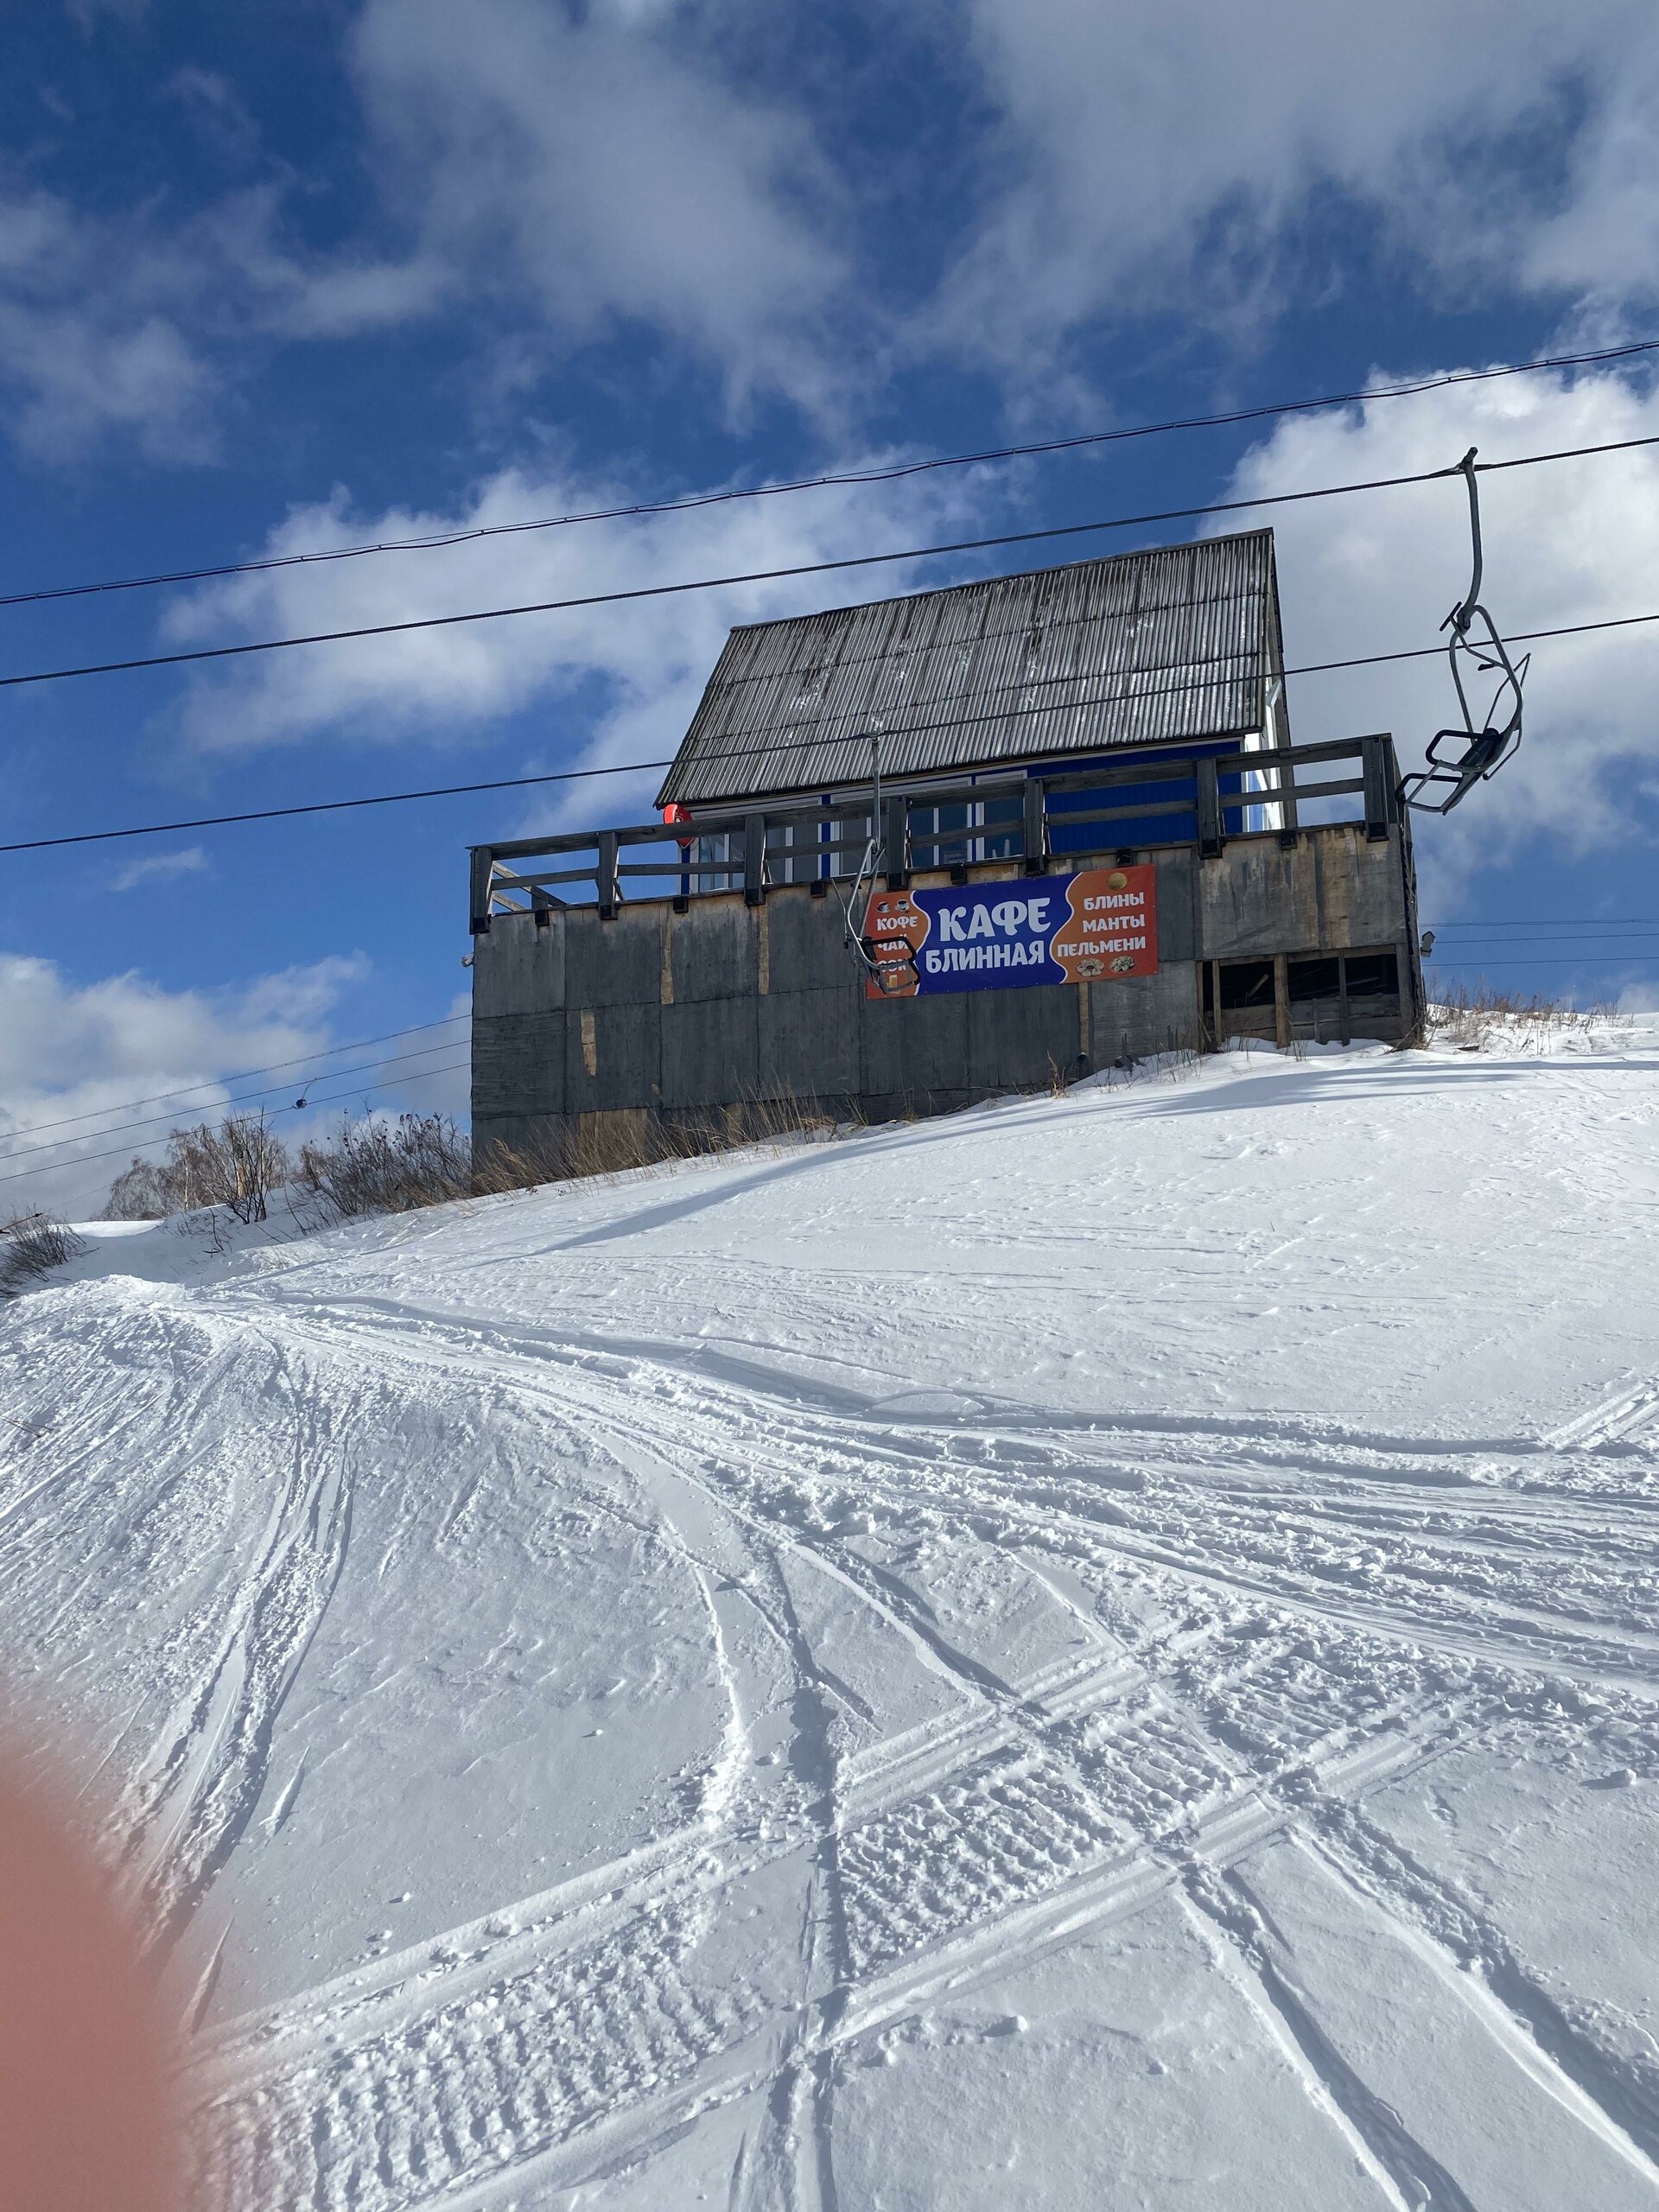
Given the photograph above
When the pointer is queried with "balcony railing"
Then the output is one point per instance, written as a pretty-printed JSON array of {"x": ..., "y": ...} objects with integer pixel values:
[{"x": 1034, "y": 819}]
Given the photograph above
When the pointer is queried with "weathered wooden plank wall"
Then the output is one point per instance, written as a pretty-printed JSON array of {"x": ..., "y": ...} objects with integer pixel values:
[{"x": 681, "y": 1014}]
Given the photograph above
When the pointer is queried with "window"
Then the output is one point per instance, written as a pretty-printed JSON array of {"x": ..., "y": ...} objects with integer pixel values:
[
  {"x": 1246, "y": 983},
  {"x": 931, "y": 846},
  {"x": 1313, "y": 979},
  {"x": 999, "y": 844},
  {"x": 1373, "y": 976}
]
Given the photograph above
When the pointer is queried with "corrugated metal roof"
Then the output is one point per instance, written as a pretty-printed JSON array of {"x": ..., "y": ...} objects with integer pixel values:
[{"x": 1139, "y": 649}]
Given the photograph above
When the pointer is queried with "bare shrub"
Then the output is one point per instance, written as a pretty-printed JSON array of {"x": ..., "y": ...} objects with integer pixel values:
[
  {"x": 1181, "y": 1057},
  {"x": 237, "y": 1166},
  {"x": 31, "y": 1245},
  {"x": 379, "y": 1166},
  {"x": 138, "y": 1193},
  {"x": 1183, "y": 1053},
  {"x": 1483, "y": 1017}
]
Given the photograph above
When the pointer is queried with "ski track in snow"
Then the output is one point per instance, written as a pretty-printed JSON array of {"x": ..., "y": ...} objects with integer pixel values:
[
  {"x": 1270, "y": 1623},
  {"x": 1049, "y": 1805},
  {"x": 204, "y": 1784}
]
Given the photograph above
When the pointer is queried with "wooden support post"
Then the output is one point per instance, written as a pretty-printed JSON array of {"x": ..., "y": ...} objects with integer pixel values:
[
  {"x": 483, "y": 871},
  {"x": 1211, "y": 839},
  {"x": 1036, "y": 828},
  {"x": 1210, "y": 1005},
  {"x": 754, "y": 860},
  {"x": 605, "y": 876},
  {"x": 1376, "y": 791},
  {"x": 1281, "y": 1002},
  {"x": 895, "y": 838},
  {"x": 1287, "y": 822}
]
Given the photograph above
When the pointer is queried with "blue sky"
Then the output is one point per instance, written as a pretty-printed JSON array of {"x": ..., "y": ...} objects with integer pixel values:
[{"x": 273, "y": 279}]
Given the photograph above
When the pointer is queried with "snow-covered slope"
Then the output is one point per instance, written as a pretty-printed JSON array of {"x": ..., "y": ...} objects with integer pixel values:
[{"x": 1102, "y": 1650}]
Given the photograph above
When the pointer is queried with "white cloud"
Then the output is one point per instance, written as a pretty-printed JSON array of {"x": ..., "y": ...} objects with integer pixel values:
[
  {"x": 129, "y": 326},
  {"x": 1571, "y": 542},
  {"x": 1160, "y": 157},
  {"x": 596, "y": 168},
  {"x": 1603, "y": 237},
  {"x": 630, "y": 674},
  {"x": 549, "y": 174},
  {"x": 261, "y": 289},
  {"x": 551, "y": 177},
  {"x": 160, "y": 867},
  {"x": 91, "y": 335},
  {"x": 91, "y": 1050}
]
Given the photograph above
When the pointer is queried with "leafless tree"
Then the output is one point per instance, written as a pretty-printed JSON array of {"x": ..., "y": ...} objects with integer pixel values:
[
  {"x": 138, "y": 1193},
  {"x": 237, "y": 1164}
]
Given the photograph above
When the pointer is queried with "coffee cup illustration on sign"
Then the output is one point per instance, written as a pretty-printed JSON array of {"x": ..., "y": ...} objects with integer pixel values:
[{"x": 894, "y": 930}]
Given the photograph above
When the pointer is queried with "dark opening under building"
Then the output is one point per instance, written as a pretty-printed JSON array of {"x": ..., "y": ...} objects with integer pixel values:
[{"x": 1059, "y": 816}]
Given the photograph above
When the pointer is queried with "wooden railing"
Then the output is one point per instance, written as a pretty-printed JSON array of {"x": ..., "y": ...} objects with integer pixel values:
[{"x": 1032, "y": 819}]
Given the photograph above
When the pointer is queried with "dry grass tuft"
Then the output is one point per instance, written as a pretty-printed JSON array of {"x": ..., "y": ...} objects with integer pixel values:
[
  {"x": 1487, "y": 1020},
  {"x": 621, "y": 1142},
  {"x": 31, "y": 1246}
]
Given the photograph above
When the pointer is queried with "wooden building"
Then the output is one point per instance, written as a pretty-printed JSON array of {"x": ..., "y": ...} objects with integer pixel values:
[{"x": 1063, "y": 812}]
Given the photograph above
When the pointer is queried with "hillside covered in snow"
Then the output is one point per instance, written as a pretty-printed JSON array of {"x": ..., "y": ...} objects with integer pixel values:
[{"x": 1100, "y": 1651}]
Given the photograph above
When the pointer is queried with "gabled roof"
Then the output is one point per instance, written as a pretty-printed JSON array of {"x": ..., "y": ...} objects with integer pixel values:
[{"x": 1138, "y": 649}]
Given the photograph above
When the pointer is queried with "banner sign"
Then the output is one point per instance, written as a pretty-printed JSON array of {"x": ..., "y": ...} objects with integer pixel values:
[{"x": 1098, "y": 925}]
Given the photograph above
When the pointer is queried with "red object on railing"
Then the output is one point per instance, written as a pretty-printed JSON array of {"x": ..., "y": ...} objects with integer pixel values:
[{"x": 673, "y": 815}]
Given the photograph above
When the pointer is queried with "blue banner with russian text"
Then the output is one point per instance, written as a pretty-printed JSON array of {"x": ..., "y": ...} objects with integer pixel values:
[{"x": 1100, "y": 924}]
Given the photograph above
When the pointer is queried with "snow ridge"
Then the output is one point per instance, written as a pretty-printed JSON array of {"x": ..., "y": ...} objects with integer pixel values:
[{"x": 959, "y": 1724}]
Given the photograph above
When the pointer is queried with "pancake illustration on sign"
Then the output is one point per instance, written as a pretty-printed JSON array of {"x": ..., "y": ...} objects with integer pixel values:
[
  {"x": 895, "y": 930},
  {"x": 1112, "y": 928}
]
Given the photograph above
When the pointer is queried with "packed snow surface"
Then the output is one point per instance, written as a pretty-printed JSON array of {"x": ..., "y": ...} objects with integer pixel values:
[{"x": 1101, "y": 1650}]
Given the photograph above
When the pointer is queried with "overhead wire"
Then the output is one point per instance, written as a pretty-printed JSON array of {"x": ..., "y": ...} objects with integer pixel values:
[
  {"x": 640, "y": 767},
  {"x": 635, "y": 592},
  {"x": 129, "y": 1148},
  {"x": 92, "y": 1158},
  {"x": 1544, "y": 936},
  {"x": 632, "y": 767},
  {"x": 1443, "y": 932},
  {"x": 246, "y": 1075},
  {"x": 1630, "y": 960},
  {"x": 217, "y": 1105},
  {"x": 1559, "y": 921},
  {"x": 891, "y": 473},
  {"x": 315, "y": 1096}
]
